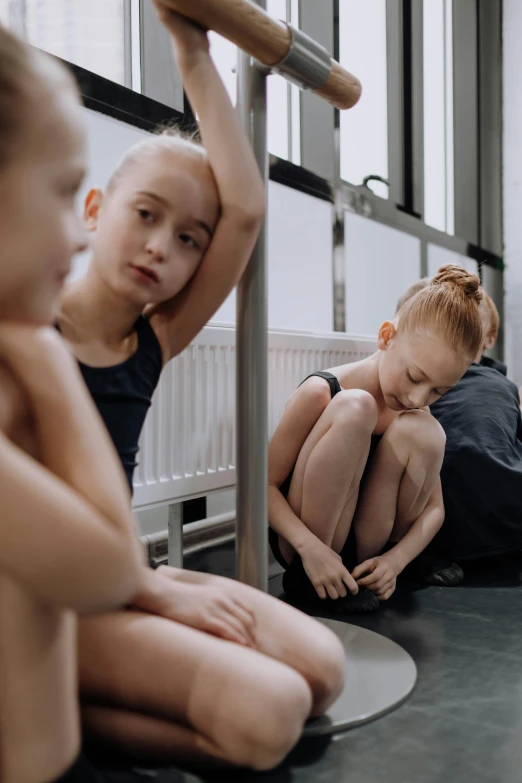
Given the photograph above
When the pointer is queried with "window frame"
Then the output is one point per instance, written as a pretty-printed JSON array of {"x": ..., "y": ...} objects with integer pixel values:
[
  {"x": 319, "y": 172},
  {"x": 478, "y": 233}
]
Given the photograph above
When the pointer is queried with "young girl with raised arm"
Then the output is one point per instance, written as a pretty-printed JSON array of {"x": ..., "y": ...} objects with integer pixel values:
[
  {"x": 202, "y": 668},
  {"x": 67, "y": 544},
  {"x": 355, "y": 461}
]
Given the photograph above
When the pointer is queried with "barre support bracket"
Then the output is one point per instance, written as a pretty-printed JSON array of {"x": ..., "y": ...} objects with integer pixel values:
[{"x": 307, "y": 64}]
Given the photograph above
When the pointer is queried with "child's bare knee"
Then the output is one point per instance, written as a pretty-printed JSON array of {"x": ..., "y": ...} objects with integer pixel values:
[
  {"x": 422, "y": 431},
  {"x": 326, "y": 672},
  {"x": 429, "y": 436},
  {"x": 356, "y": 408},
  {"x": 280, "y": 709}
]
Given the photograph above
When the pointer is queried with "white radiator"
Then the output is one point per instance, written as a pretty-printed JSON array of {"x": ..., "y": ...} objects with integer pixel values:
[{"x": 187, "y": 448}]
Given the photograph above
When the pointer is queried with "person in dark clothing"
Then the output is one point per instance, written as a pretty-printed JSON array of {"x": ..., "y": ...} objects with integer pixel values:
[{"x": 482, "y": 469}]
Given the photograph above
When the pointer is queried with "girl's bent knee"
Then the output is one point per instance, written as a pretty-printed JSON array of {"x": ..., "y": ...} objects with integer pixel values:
[
  {"x": 422, "y": 431},
  {"x": 327, "y": 671},
  {"x": 429, "y": 436},
  {"x": 280, "y": 715},
  {"x": 356, "y": 408}
]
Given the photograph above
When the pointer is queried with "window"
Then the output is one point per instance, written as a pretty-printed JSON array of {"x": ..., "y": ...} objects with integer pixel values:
[
  {"x": 364, "y": 131},
  {"x": 438, "y": 115},
  {"x": 224, "y": 55},
  {"x": 133, "y": 78},
  {"x": 90, "y": 34},
  {"x": 283, "y": 103}
]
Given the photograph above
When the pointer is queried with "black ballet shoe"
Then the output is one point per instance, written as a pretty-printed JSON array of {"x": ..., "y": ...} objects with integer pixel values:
[
  {"x": 433, "y": 571},
  {"x": 365, "y": 601},
  {"x": 299, "y": 588}
]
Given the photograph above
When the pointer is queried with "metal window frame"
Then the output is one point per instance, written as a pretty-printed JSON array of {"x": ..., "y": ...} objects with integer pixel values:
[
  {"x": 477, "y": 77},
  {"x": 160, "y": 78},
  {"x": 466, "y": 125},
  {"x": 317, "y": 116},
  {"x": 480, "y": 66},
  {"x": 127, "y": 42},
  {"x": 490, "y": 124},
  {"x": 474, "y": 163},
  {"x": 320, "y": 150},
  {"x": 396, "y": 111}
]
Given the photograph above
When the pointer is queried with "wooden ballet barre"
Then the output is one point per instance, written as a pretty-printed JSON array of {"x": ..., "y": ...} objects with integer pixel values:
[{"x": 270, "y": 41}]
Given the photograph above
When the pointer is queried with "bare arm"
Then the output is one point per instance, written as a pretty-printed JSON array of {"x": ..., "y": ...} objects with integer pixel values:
[
  {"x": 66, "y": 525},
  {"x": 421, "y": 532},
  {"x": 379, "y": 573},
  {"x": 239, "y": 184},
  {"x": 301, "y": 413},
  {"x": 214, "y": 609}
]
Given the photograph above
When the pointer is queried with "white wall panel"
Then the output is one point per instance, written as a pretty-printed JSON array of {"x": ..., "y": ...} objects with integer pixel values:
[
  {"x": 300, "y": 264},
  {"x": 381, "y": 263}
]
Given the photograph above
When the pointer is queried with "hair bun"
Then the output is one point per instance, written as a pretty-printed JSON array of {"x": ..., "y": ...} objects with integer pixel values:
[{"x": 458, "y": 278}]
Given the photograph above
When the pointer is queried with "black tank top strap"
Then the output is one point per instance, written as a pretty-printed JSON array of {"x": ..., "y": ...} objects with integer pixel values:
[
  {"x": 332, "y": 380},
  {"x": 148, "y": 342}
]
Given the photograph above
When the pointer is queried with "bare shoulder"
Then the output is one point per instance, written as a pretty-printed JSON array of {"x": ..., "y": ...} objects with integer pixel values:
[
  {"x": 354, "y": 375},
  {"x": 314, "y": 391}
]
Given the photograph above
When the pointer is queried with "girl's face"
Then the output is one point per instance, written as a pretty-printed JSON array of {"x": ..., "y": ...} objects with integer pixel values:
[
  {"x": 153, "y": 229},
  {"x": 416, "y": 369},
  {"x": 39, "y": 228}
]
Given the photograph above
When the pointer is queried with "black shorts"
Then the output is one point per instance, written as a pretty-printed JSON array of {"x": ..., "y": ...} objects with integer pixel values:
[
  {"x": 273, "y": 540},
  {"x": 81, "y": 772}
]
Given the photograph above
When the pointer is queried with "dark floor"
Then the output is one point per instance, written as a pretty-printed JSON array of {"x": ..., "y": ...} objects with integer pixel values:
[{"x": 463, "y": 722}]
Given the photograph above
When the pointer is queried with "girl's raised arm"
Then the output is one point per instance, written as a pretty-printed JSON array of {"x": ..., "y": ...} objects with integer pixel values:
[{"x": 240, "y": 188}]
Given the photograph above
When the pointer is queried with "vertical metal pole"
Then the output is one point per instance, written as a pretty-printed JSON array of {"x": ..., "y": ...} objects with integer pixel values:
[
  {"x": 339, "y": 251},
  {"x": 127, "y": 43},
  {"x": 251, "y": 360},
  {"x": 175, "y": 550}
]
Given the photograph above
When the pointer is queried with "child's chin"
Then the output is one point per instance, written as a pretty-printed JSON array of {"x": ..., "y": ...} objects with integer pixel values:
[{"x": 395, "y": 405}]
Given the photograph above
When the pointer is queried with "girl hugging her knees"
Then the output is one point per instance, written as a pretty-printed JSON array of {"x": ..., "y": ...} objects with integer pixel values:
[{"x": 354, "y": 484}]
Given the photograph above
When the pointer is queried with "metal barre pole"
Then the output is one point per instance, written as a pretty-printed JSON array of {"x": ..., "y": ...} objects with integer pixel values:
[
  {"x": 276, "y": 45},
  {"x": 251, "y": 360}
]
